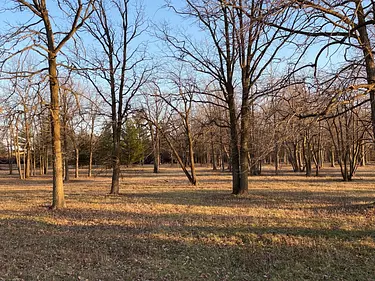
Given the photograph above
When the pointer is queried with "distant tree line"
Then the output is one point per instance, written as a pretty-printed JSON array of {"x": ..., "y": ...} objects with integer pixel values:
[{"x": 277, "y": 82}]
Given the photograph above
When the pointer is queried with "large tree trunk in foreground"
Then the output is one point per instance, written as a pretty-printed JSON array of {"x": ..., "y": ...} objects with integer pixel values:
[
  {"x": 244, "y": 151},
  {"x": 235, "y": 156},
  {"x": 58, "y": 200}
]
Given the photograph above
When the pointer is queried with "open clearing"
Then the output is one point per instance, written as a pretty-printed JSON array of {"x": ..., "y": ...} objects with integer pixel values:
[{"x": 289, "y": 227}]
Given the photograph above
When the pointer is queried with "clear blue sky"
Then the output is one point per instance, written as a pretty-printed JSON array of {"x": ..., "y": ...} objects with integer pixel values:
[{"x": 154, "y": 11}]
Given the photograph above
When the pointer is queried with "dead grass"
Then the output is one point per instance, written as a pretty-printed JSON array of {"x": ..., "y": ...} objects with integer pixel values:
[{"x": 289, "y": 227}]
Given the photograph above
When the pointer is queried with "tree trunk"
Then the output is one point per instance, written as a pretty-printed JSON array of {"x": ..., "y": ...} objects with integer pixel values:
[
  {"x": 363, "y": 154},
  {"x": 191, "y": 157},
  {"x": 66, "y": 158},
  {"x": 27, "y": 152},
  {"x": 46, "y": 161},
  {"x": 332, "y": 157},
  {"x": 300, "y": 156},
  {"x": 156, "y": 139},
  {"x": 17, "y": 151},
  {"x": 34, "y": 162},
  {"x": 213, "y": 154},
  {"x": 115, "y": 186},
  {"x": 369, "y": 58},
  {"x": 41, "y": 164},
  {"x": 76, "y": 172},
  {"x": 234, "y": 157},
  {"x": 58, "y": 186},
  {"x": 276, "y": 158},
  {"x": 89, "y": 172},
  {"x": 179, "y": 160},
  {"x": 307, "y": 156},
  {"x": 10, "y": 153},
  {"x": 244, "y": 147}
]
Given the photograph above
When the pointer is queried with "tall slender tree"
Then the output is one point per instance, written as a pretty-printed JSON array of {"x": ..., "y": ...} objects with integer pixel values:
[
  {"x": 117, "y": 67},
  {"x": 41, "y": 33}
]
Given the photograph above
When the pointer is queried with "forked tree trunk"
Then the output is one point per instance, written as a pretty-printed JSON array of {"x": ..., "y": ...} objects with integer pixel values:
[{"x": 179, "y": 160}]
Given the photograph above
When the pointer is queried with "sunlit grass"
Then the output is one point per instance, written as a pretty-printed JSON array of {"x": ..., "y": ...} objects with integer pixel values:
[{"x": 288, "y": 227}]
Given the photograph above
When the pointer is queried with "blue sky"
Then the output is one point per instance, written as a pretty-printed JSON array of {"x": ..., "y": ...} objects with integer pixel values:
[{"x": 154, "y": 11}]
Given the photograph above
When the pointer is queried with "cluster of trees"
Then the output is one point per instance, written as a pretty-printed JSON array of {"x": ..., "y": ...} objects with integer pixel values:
[{"x": 278, "y": 81}]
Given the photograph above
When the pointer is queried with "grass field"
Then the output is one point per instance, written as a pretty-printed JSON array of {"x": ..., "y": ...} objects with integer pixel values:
[{"x": 289, "y": 227}]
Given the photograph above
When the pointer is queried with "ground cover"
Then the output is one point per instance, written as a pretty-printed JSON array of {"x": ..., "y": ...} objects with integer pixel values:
[{"x": 289, "y": 227}]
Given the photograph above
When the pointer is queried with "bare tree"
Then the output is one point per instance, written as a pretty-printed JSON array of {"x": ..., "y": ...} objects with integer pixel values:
[
  {"x": 41, "y": 34},
  {"x": 238, "y": 40},
  {"x": 341, "y": 30},
  {"x": 152, "y": 110},
  {"x": 92, "y": 111},
  {"x": 180, "y": 100},
  {"x": 348, "y": 132},
  {"x": 117, "y": 67},
  {"x": 175, "y": 108}
]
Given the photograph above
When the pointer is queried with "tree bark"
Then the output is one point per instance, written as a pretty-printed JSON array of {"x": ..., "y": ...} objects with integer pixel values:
[
  {"x": 10, "y": 152},
  {"x": 332, "y": 156},
  {"x": 17, "y": 151},
  {"x": 179, "y": 160},
  {"x": 244, "y": 147},
  {"x": 27, "y": 151},
  {"x": 89, "y": 172},
  {"x": 213, "y": 153},
  {"x": 369, "y": 57},
  {"x": 234, "y": 157},
  {"x": 65, "y": 142},
  {"x": 191, "y": 157},
  {"x": 76, "y": 171},
  {"x": 115, "y": 185},
  {"x": 156, "y": 150},
  {"x": 58, "y": 200}
]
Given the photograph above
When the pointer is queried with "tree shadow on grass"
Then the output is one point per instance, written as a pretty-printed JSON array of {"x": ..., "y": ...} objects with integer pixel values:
[
  {"x": 191, "y": 223},
  {"x": 265, "y": 197},
  {"x": 32, "y": 249}
]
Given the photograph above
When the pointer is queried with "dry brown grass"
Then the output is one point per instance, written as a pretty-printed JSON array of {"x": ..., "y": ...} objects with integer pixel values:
[{"x": 289, "y": 227}]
